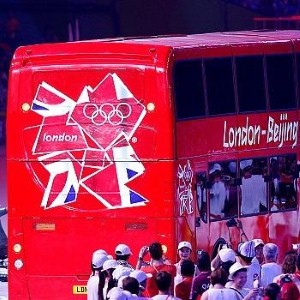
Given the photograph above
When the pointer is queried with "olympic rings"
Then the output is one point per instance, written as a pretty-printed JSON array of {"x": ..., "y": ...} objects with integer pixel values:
[{"x": 107, "y": 112}]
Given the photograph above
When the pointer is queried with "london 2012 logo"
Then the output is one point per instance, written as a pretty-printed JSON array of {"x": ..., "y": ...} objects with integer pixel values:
[{"x": 86, "y": 144}]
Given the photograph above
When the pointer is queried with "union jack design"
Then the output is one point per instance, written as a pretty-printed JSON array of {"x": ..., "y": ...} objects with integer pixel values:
[{"x": 85, "y": 144}]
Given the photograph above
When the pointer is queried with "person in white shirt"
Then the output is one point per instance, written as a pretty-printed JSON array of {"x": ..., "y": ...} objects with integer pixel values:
[
  {"x": 122, "y": 255},
  {"x": 217, "y": 290},
  {"x": 258, "y": 246},
  {"x": 253, "y": 189},
  {"x": 247, "y": 258},
  {"x": 238, "y": 275},
  {"x": 108, "y": 267},
  {"x": 217, "y": 193},
  {"x": 184, "y": 252},
  {"x": 270, "y": 269},
  {"x": 97, "y": 276}
]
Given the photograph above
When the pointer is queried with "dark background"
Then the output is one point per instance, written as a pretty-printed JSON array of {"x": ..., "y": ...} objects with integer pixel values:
[
  {"x": 24, "y": 22},
  {"x": 110, "y": 18}
]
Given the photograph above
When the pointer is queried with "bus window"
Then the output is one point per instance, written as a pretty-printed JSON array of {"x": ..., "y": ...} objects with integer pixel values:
[
  {"x": 281, "y": 84},
  {"x": 250, "y": 83},
  {"x": 222, "y": 190},
  {"x": 298, "y": 72},
  {"x": 283, "y": 185},
  {"x": 219, "y": 83},
  {"x": 253, "y": 187},
  {"x": 201, "y": 196},
  {"x": 189, "y": 95}
]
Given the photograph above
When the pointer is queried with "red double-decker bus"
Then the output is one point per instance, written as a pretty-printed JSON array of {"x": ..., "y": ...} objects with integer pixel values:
[{"x": 149, "y": 139}]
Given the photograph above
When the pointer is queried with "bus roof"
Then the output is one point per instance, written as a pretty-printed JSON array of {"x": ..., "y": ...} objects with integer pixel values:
[
  {"x": 216, "y": 38},
  {"x": 140, "y": 45}
]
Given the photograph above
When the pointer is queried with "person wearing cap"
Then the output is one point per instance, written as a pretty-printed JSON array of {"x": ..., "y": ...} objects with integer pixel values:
[
  {"x": 224, "y": 259},
  {"x": 245, "y": 257},
  {"x": 238, "y": 277},
  {"x": 253, "y": 189},
  {"x": 217, "y": 192},
  {"x": 117, "y": 293},
  {"x": 96, "y": 281},
  {"x": 270, "y": 269},
  {"x": 184, "y": 251},
  {"x": 122, "y": 255},
  {"x": 108, "y": 268},
  {"x": 120, "y": 271},
  {"x": 156, "y": 265},
  {"x": 141, "y": 277},
  {"x": 258, "y": 246}
]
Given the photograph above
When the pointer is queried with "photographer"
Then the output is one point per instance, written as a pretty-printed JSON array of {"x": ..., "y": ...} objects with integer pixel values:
[{"x": 224, "y": 259}]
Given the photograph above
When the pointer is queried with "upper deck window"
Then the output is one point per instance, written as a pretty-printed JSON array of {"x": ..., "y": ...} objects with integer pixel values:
[
  {"x": 281, "y": 84},
  {"x": 189, "y": 95},
  {"x": 250, "y": 83},
  {"x": 219, "y": 82}
]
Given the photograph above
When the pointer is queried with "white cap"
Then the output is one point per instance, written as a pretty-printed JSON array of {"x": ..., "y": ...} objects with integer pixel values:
[
  {"x": 139, "y": 275},
  {"x": 99, "y": 251},
  {"x": 245, "y": 163},
  {"x": 214, "y": 168},
  {"x": 234, "y": 268},
  {"x": 110, "y": 264},
  {"x": 184, "y": 244},
  {"x": 121, "y": 271},
  {"x": 247, "y": 249},
  {"x": 123, "y": 249},
  {"x": 98, "y": 260},
  {"x": 227, "y": 254},
  {"x": 258, "y": 242},
  {"x": 116, "y": 293}
]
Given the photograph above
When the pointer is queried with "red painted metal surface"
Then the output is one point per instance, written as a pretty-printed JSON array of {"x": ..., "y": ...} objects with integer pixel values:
[{"x": 95, "y": 157}]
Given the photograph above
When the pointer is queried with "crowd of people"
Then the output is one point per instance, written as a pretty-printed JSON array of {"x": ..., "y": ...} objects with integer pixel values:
[{"x": 250, "y": 272}]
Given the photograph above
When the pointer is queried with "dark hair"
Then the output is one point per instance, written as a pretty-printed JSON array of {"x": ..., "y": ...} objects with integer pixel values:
[
  {"x": 226, "y": 265},
  {"x": 156, "y": 251},
  {"x": 218, "y": 276},
  {"x": 247, "y": 259},
  {"x": 239, "y": 271},
  {"x": 131, "y": 284},
  {"x": 298, "y": 262},
  {"x": 289, "y": 263},
  {"x": 203, "y": 262},
  {"x": 187, "y": 268},
  {"x": 122, "y": 257},
  {"x": 272, "y": 290},
  {"x": 163, "y": 280},
  {"x": 101, "y": 284}
]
